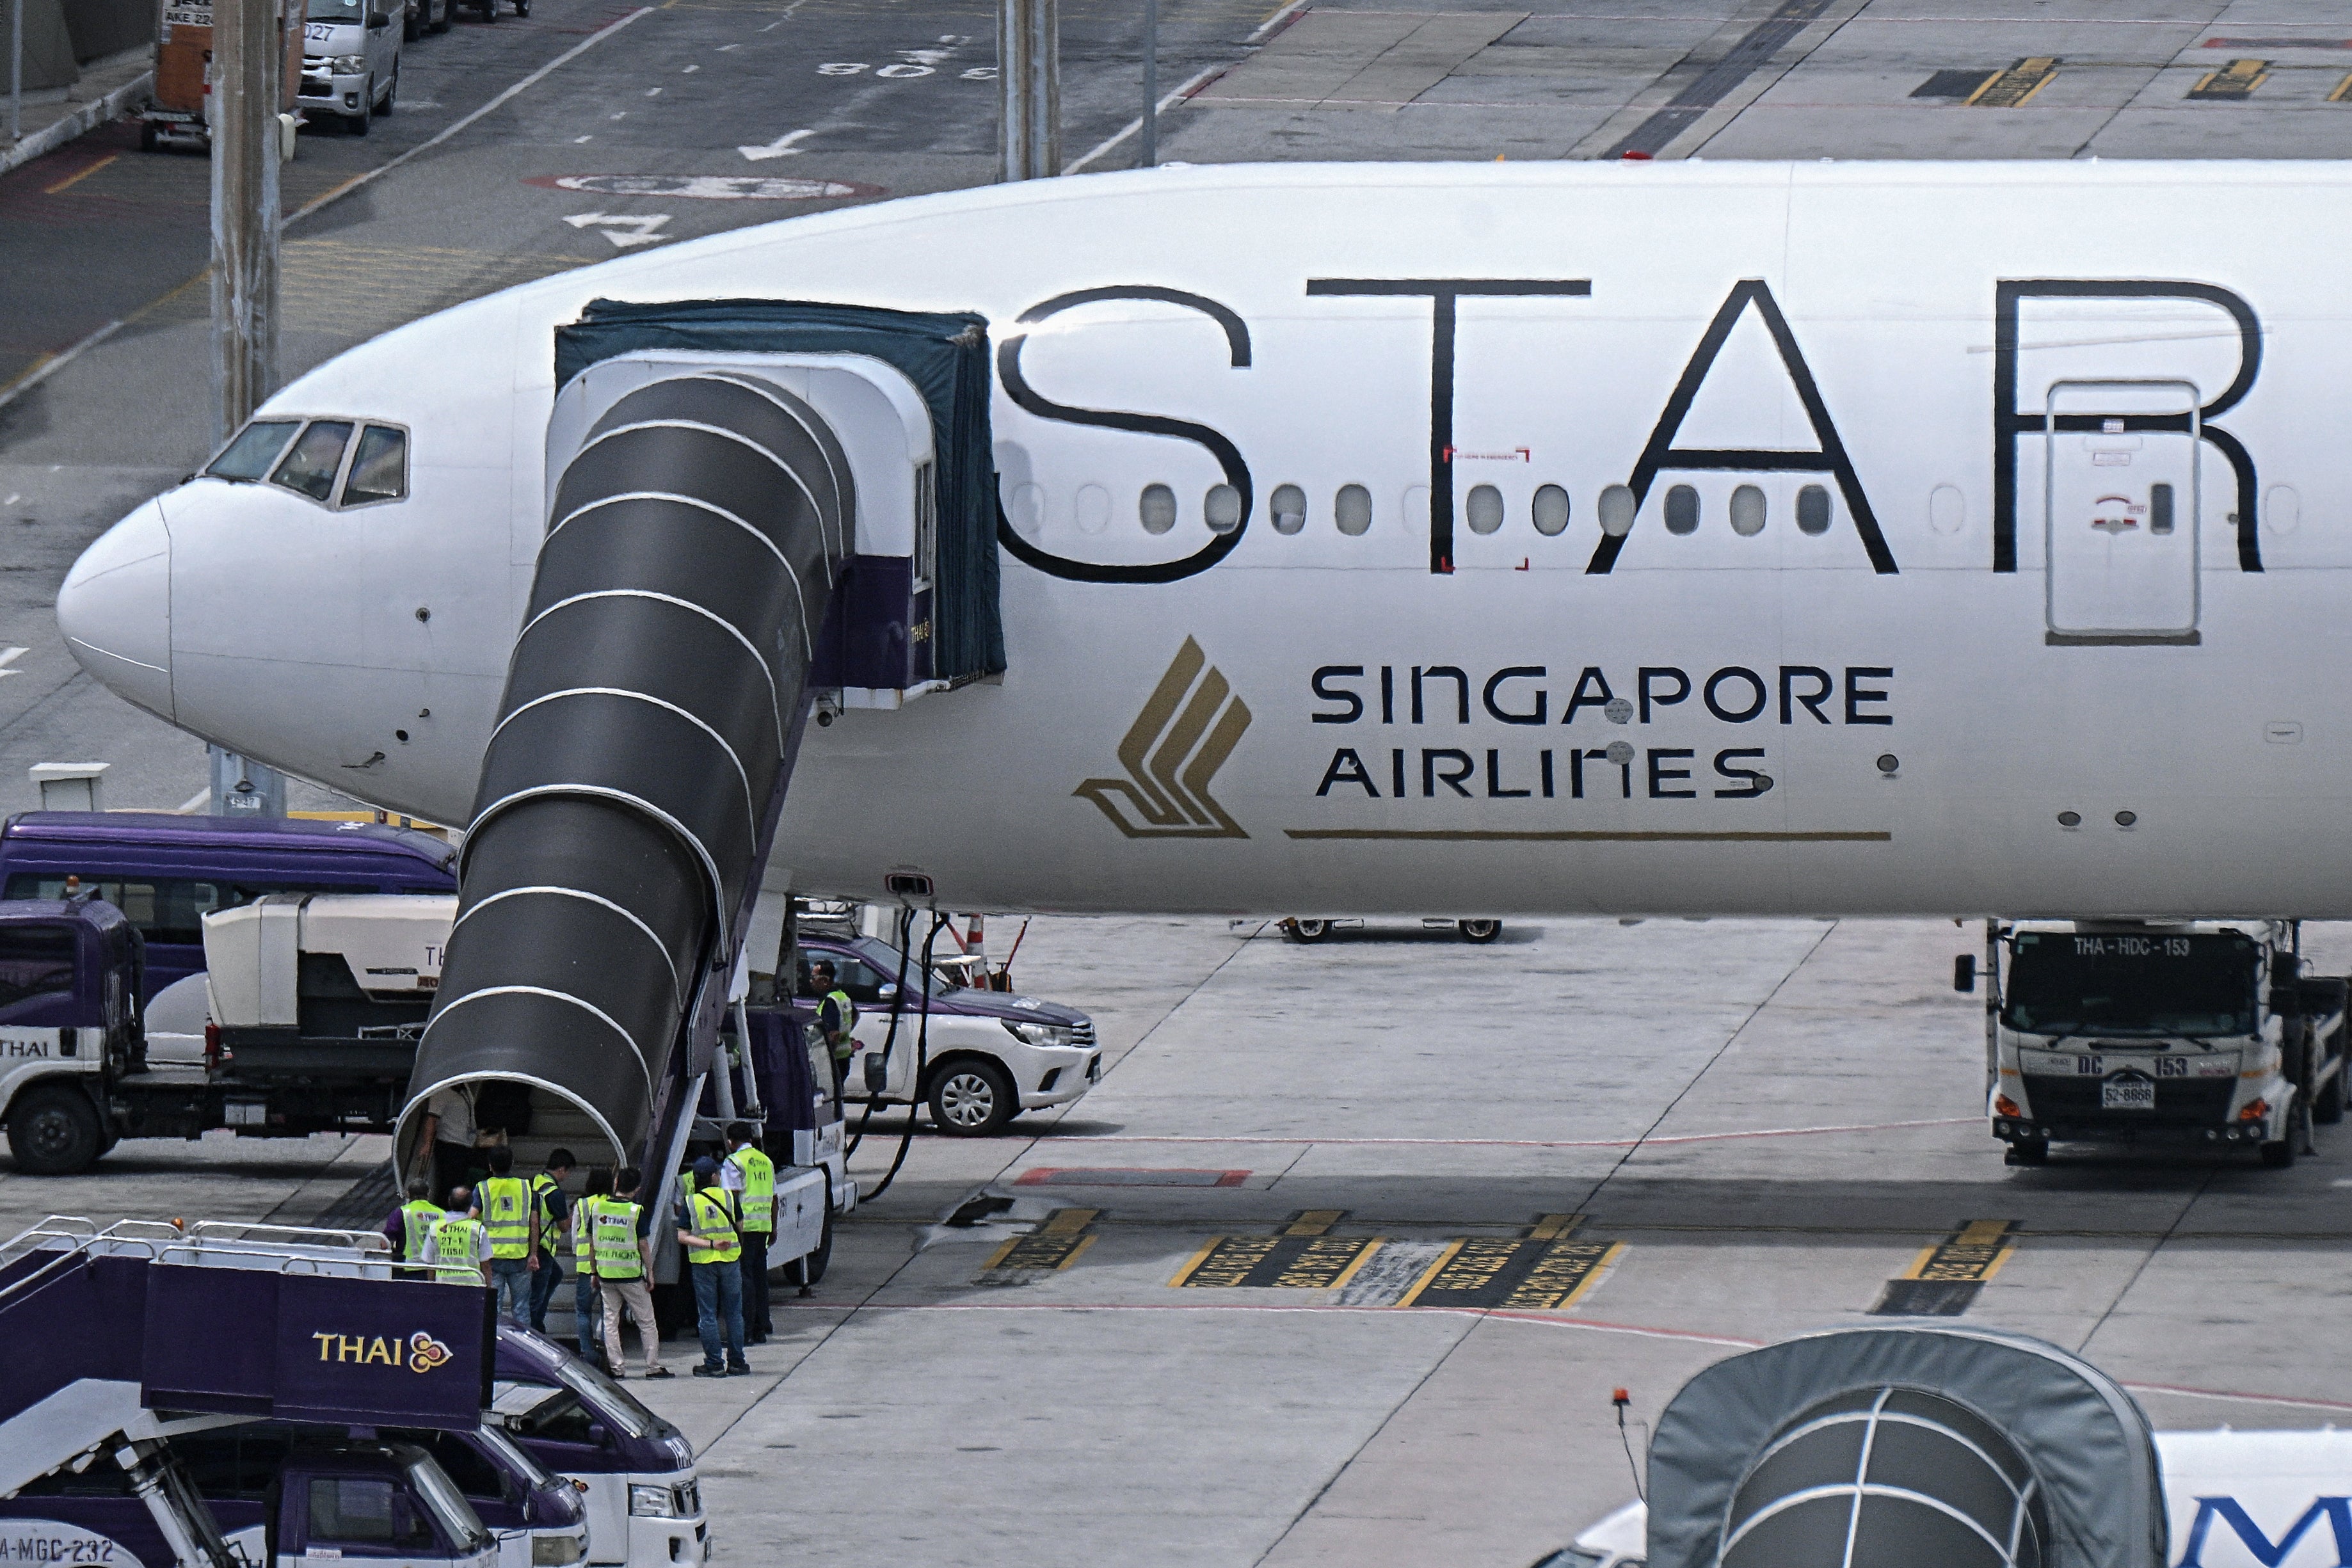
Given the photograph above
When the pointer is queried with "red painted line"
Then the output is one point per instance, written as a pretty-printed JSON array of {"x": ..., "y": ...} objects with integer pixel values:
[
  {"x": 1310, "y": 1139},
  {"x": 1123, "y": 1176}
]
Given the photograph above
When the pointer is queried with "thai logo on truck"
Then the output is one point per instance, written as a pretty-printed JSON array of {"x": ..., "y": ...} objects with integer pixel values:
[
  {"x": 1187, "y": 728},
  {"x": 419, "y": 1353}
]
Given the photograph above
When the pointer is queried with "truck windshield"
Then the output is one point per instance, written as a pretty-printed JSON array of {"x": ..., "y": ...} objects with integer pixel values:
[
  {"x": 457, "y": 1516},
  {"x": 353, "y": 12},
  {"x": 608, "y": 1398},
  {"x": 2067, "y": 982}
]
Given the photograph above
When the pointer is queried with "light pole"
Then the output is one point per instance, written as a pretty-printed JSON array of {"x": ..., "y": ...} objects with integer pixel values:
[
  {"x": 1150, "y": 83},
  {"x": 1029, "y": 89},
  {"x": 249, "y": 57}
]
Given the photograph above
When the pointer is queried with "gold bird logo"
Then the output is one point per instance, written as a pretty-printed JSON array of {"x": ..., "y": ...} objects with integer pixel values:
[{"x": 1187, "y": 728}]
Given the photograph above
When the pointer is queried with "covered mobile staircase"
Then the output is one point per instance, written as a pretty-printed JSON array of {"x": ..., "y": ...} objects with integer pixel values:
[{"x": 751, "y": 504}]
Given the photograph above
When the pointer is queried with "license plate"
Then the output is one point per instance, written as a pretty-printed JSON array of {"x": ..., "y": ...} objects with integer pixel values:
[{"x": 2128, "y": 1094}]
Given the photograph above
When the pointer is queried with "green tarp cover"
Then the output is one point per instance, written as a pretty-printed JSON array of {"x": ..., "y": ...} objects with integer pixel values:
[{"x": 945, "y": 355}]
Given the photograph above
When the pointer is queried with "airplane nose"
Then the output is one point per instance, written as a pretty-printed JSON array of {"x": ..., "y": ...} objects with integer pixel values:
[{"x": 115, "y": 610}]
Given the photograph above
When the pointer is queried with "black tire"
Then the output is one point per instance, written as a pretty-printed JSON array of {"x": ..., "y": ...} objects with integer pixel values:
[
  {"x": 390, "y": 92},
  {"x": 54, "y": 1130},
  {"x": 412, "y": 24},
  {"x": 1305, "y": 931},
  {"x": 2278, "y": 1156},
  {"x": 972, "y": 1098},
  {"x": 489, "y": 10},
  {"x": 2028, "y": 1152},
  {"x": 1481, "y": 932},
  {"x": 809, "y": 1270},
  {"x": 448, "y": 15},
  {"x": 150, "y": 138}
]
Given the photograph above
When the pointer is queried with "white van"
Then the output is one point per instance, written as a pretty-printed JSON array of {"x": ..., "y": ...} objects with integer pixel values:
[{"x": 351, "y": 59}]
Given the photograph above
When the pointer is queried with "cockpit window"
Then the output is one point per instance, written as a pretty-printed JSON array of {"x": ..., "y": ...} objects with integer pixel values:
[
  {"x": 378, "y": 469},
  {"x": 257, "y": 446},
  {"x": 317, "y": 453}
]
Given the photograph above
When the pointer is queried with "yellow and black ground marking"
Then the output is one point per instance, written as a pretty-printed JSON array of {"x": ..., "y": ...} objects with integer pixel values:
[
  {"x": 1944, "y": 1278},
  {"x": 2343, "y": 92},
  {"x": 1548, "y": 1270},
  {"x": 2234, "y": 84},
  {"x": 2014, "y": 88},
  {"x": 1287, "y": 1262},
  {"x": 1054, "y": 1244},
  {"x": 1314, "y": 1222}
]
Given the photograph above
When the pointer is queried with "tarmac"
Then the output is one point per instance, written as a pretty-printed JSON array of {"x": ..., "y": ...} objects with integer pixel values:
[{"x": 1342, "y": 1259}]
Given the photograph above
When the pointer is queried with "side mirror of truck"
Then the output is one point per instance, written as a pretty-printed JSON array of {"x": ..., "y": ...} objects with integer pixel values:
[
  {"x": 1964, "y": 973},
  {"x": 600, "y": 1435},
  {"x": 886, "y": 991}
]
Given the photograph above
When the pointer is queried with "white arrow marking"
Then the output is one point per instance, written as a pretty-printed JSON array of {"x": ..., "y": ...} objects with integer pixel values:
[
  {"x": 10, "y": 656},
  {"x": 640, "y": 230},
  {"x": 784, "y": 146}
]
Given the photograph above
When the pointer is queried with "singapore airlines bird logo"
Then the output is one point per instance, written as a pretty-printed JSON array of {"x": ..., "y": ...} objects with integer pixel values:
[{"x": 1175, "y": 747}]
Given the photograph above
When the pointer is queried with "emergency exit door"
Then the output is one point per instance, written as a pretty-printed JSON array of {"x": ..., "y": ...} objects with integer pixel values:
[{"x": 2121, "y": 566}]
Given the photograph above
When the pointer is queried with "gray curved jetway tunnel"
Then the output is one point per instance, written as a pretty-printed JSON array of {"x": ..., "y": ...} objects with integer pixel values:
[{"x": 751, "y": 502}]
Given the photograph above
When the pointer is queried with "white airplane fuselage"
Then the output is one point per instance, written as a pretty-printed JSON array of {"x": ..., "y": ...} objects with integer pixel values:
[{"x": 1983, "y": 552}]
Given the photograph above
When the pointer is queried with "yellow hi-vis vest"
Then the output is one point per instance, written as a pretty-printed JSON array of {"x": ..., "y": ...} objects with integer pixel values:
[
  {"x": 713, "y": 1212},
  {"x": 615, "y": 1227},
  {"x": 583, "y": 1245},
  {"x": 551, "y": 1229},
  {"x": 505, "y": 1214},
  {"x": 759, "y": 1188},
  {"x": 846, "y": 1047},
  {"x": 457, "y": 1247},
  {"x": 417, "y": 1218}
]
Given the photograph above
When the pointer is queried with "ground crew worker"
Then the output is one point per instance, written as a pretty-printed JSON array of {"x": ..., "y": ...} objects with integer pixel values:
[
  {"x": 549, "y": 1208},
  {"x": 460, "y": 1251},
  {"x": 714, "y": 1249},
  {"x": 410, "y": 1228},
  {"x": 503, "y": 1203},
  {"x": 751, "y": 1175},
  {"x": 622, "y": 1259},
  {"x": 836, "y": 1015},
  {"x": 585, "y": 1314}
]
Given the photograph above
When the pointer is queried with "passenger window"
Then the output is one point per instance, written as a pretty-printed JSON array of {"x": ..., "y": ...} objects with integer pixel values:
[
  {"x": 363, "y": 1511},
  {"x": 1812, "y": 510},
  {"x": 170, "y": 909},
  {"x": 310, "y": 467},
  {"x": 1550, "y": 510},
  {"x": 1483, "y": 507},
  {"x": 1748, "y": 511},
  {"x": 35, "y": 961},
  {"x": 1289, "y": 505},
  {"x": 378, "y": 469},
  {"x": 1682, "y": 510},
  {"x": 257, "y": 446},
  {"x": 1617, "y": 509},
  {"x": 1352, "y": 510},
  {"x": 1156, "y": 509},
  {"x": 1092, "y": 509},
  {"x": 1223, "y": 507}
]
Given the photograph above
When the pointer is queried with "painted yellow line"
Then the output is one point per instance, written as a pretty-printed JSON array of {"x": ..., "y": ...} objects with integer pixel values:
[
  {"x": 1471, "y": 836},
  {"x": 1413, "y": 1293},
  {"x": 1063, "y": 1221},
  {"x": 2015, "y": 86},
  {"x": 1361, "y": 1259},
  {"x": 2343, "y": 93},
  {"x": 1555, "y": 1226},
  {"x": 1001, "y": 1253},
  {"x": 29, "y": 371},
  {"x": 1190, "y": 1264},
  {"x": 80, "y": 175},
  {"x": 1314, "y": 1222},
  {"x": 1973, "y": 1254}
]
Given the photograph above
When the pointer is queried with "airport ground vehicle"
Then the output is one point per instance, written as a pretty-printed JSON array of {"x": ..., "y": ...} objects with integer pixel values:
[
  {"x": 175, "y": 112},
  {"x": 2202, "y": 1032},
  {"x": 321, "y": 1007},
  {"x": 167, "y": 872},
  {"x": 1299, "y": 927},
  {"x": 106, "y": 1386},
  {"x": 642, "y": 1496},
  {"x": 351, "y": 61},
  {"x": 986, "y": 1057}
]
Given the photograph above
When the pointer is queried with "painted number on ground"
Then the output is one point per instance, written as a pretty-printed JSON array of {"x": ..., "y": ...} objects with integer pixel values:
[
  {"x": 1276, "y": 1262},
  {"x": 1521, "y": 1275}
]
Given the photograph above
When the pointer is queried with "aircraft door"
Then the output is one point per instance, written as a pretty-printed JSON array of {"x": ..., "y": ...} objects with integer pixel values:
[{"x": 2122, "y": 512}]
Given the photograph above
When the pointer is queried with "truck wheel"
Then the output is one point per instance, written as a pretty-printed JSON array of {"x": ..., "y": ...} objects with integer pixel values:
[
  {"x": 2028, "y": 1151},
  {"x": 972, "y": 1100},
  {"x": 391, "y": 91},
  {"x": 53, "y": 1130},
  {"x": 2278, "y": 1156},
  {"x": 1307, "y": 930},
  {"x": 149, "y": 139},
  {"x": 810, "y": 1270},
  {"x": 1479, "y": 931}
]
